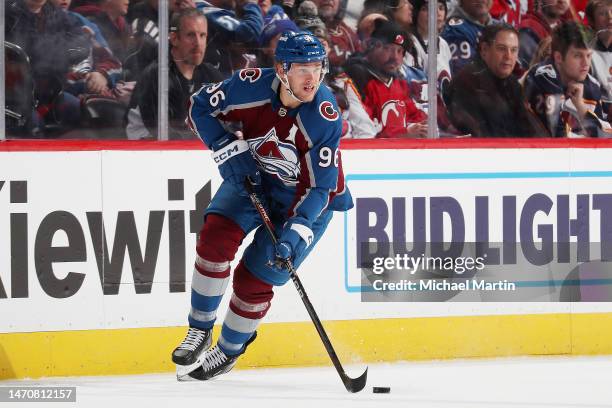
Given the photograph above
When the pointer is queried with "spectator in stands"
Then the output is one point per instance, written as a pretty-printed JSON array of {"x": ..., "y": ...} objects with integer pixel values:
[
  {"x": 398, "y": 11},
  {"x": 187, "y": 74},
  {"x": 562, "y": 93},
  {"x": 101, "y": 71},
  {"x": 419, "y": 37},
  {"x": 143, "y": 20},
  {"x": 485, "y": 99},
  {"x": 542, "y": 53},
  {"x": 415, "y": 61},
  {"x": 54, "y": 43},
  {"x": 265, "y": 6},
  {"x": 271, "y": 11},
  {"x": 230, "y": 31},
  {"x": 537, "y": 24},
  {"x": 89, "y": 27},
  {"x": 366, "y": 25},
  {"x": 269, "y": 38},
  {"x": 599, "y": 16},
  {"x": 109, "y": 15},
  {"x": 343, "y": 39},
  {"x": 385, "y": 94},
  {"x": 144, "y": 42},
  {"x": 373, "y": 7},
  {"x": 509, "y": 11},
  {"x": 307, "y": 19},
  {"x": 401, "y": 12},
  {"x": 463, "y": 28}
]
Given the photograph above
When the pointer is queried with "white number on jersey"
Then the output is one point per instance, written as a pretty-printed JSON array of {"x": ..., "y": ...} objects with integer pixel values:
[
  {"x": 217, "y": 96},
  {"x": 327, "y": 157},
  {"x": 464, "y": 49}
]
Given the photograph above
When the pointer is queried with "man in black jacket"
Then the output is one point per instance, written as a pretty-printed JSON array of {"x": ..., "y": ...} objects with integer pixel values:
[
  {"x": 187, "y": 74},
  {"x": 485, "y": 98}
]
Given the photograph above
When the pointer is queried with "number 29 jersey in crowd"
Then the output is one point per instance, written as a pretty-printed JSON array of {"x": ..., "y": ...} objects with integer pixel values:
[{"x": 546, "y": 97}]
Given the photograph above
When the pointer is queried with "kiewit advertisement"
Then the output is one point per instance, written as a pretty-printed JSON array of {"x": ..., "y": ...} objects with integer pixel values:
[{"x": 105, "y": 239}]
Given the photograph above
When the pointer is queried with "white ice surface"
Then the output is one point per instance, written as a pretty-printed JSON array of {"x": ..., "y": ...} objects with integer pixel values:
[{"x": 555, "y": 382}]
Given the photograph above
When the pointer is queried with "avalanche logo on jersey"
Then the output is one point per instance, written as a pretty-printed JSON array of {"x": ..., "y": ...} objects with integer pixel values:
[
  {"x": 455, "y": 21},
  {"x": 276, "y": 157}
]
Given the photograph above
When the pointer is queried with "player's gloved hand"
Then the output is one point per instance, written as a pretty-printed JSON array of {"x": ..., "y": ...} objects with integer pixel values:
[
  {"x": 235, "y": 160},
  {"x": 293, "y": 239}
]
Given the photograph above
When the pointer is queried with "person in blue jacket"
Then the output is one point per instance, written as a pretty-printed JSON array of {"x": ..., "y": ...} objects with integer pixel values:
[
  {"x": 234, "y": 28},
  {"x": 463, "y": 29}
]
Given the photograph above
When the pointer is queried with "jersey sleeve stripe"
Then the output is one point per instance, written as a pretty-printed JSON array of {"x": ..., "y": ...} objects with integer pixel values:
[
  {"x": 189, "y": 119},
  {"x": 248, "y": 105}
]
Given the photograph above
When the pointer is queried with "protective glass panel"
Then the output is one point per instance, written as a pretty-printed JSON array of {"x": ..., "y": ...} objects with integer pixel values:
[{"x": 72, "y": 66}]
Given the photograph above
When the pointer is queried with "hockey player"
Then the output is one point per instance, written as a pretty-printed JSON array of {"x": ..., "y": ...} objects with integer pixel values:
[
  {"x": 562, "y": 93},
  {"x": 288, "y": 144}
]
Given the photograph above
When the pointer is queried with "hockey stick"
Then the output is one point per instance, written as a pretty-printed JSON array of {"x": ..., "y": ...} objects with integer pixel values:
[{"x": 351, "y": 384}]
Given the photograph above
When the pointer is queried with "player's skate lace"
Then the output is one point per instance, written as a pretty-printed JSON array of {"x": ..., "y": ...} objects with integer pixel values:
[
  {"x": 216, "y": 362},
  {"x": 214, "y": 358},
  {"x": 189, "y": 351},
  {"x": 194, "y": 338}
]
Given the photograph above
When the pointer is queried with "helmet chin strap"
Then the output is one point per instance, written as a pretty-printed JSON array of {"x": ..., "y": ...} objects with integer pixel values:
[{"x": 285, "y": 81}]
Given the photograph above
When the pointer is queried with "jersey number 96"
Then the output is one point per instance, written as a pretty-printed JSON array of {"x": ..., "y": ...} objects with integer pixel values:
[
  {"x": 328, "y": 157},
  {"x": 216, "y": 96}
]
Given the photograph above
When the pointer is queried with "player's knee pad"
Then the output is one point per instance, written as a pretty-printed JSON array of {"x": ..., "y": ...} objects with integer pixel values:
[
  {"x": 217, "y": 244},
  {"x": 252, "y": 296}
]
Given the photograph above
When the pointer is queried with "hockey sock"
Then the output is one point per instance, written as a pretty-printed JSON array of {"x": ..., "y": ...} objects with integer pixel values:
[
  {"x": 217, "y": 245},
  {"x": 249, "y": 304}
]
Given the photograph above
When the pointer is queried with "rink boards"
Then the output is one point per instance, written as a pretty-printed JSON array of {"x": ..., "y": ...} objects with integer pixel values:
[{"x": 96, "y": 248}]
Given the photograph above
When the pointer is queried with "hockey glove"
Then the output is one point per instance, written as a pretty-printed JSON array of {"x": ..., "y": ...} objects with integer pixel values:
[
  {"x": 235, "y": 160},
  {"x": 292, "y": 241}
]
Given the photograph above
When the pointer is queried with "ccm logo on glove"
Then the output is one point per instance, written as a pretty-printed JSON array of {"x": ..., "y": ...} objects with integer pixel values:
[{"x": 232, "y": 149}]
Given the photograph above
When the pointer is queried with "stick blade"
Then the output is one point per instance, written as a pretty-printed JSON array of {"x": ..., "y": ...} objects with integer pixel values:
[{"x": 356, "y": 384}]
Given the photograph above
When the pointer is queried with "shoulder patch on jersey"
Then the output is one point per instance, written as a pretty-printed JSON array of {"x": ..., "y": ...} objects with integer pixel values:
[
  {"x": 250, "y": 74},
  {"x": 328, "y": 112},
  {"x": 455, "y": 21},
  {"x": 546, "y": 70}
]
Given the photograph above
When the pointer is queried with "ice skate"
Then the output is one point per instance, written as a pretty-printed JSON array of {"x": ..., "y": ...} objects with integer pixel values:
[
  {"x": 188, "y": 356},
  {"x": 215, "y": 362}
]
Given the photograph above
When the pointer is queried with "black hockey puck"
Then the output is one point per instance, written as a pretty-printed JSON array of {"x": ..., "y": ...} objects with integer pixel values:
[{"x": 381, "y": 390}]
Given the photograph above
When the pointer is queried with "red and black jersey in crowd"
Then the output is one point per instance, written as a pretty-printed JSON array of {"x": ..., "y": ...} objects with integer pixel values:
[
  {"x": 343, "y": 42},
  {"x": 386, "y": 100}
]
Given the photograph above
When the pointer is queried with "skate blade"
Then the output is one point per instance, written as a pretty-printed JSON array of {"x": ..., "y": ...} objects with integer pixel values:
[{"x": 182, "y": 371}]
